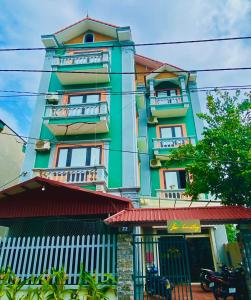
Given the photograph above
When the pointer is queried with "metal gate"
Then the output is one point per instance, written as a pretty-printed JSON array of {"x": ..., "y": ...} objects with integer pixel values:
[{"x": 161, "y": 269}]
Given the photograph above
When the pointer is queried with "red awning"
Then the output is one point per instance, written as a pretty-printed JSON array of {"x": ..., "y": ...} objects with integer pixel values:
[
  {"x": 40, "y": 197},
  {"x": 159, "y": 216}
]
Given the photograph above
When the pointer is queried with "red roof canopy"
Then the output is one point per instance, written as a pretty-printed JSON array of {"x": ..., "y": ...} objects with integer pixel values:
[
  {"x": 159, "y": 216},
  {"x": 40, "y": 197}
]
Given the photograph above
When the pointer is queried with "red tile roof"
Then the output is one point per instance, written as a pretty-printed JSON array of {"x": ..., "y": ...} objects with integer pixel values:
[
  {"x": 27, "y": 199},
  {"x": 151, "y": 63},
  {"x": 159, "y": 216},
  {"x": 85, "y": 19}
]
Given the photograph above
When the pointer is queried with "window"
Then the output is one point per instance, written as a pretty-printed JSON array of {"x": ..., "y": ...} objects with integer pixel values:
[
  {"x": 84, "y": 98},
  {"x": 175, "y": 180},
  {"x": 168, "y": 92},
  {"x": 171, "y": 131},
  {"x": 79, "y": 156},
  {"x": 89, "y": 38}
]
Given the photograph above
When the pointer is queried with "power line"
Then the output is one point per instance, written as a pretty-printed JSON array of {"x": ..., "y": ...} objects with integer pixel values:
[
  {"x": 53, "y": 141},
  {"x": 128, "y": 44},
  {"x": 22, "y": 174},
  {"x": 126, "y": 73}
]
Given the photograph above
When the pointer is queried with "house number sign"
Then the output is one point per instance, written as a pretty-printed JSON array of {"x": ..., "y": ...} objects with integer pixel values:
[{"x": 188, "y": 226}]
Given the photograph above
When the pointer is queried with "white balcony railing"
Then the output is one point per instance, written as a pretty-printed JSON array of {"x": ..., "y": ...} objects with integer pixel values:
[
  {"x": 79, "y": 175},
  {"x": 179, "y": 194},
  {"x": 166, "y": 100},
  {"x": 174, "y": 142},
  {"x": 76, "y": 110},
  {"x": 82, "y": 59}
]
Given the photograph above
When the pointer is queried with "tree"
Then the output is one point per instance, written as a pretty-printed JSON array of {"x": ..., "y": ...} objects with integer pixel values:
[{"x": 220, "y": 163}]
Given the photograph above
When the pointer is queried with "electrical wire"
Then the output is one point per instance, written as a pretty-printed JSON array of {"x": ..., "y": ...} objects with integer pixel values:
[
  {"x": 53, "y": 141},
  {"x": 126, "y": 73},
  {"x": 22, "y": 174},
  {"x": 129, "y": 44}
]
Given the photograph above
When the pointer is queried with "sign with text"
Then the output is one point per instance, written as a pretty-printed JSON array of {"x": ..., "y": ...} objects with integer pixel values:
[{"x": 187, "y": 226}]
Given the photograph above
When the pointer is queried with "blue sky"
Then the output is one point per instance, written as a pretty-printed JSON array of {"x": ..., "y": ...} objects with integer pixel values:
[{"x": 24, "y": 21}]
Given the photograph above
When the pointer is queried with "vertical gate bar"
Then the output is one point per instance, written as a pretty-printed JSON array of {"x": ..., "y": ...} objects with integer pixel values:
[
  {"x": 57, "y": 248},
  {"x": 108, "y": 253},
  {"x": 97, "y": 257},
  {"x": 10, "y": 262},
  {"x": 82, "y": 252},
  {"x": 16, "y": 255},
  {"x": 103, "y": 258},
  {"x": 62, "y": 250},
  {"x": 41, "y": 250},
  {"x": 29, "y": 272},
  {"x": 92, "y": 253},
  {"x": 188, "y": 272},
  {"x": 7, "y": 249},
  {"x": 27, "y": 248},
  {"x": 66, "y": 254},
  {"x": 71, "y": 266},
  {"x": 51, "y": 251},
  {"x": 141, "y": 259},
  {"x": 76, "y": 261},
  {"x": 46, "y": 253},
  {"x": 87, "y": 253},
  {"x": 20, "y": 257},
  {"x": 180, "y": 270},
  {"x": 35, "y": 258},
  {"x": 114, "y": 243}
]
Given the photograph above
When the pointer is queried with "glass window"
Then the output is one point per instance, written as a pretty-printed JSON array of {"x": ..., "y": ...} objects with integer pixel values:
[
  {"x": 62, "y": 158},
  {"x": 175, "y": 180},
  {"x": 172, "y": 131},
  {"x": 85, "y": 98},
  {"x": 89, "y": 38},
  {"x": 79, "y": 157}
]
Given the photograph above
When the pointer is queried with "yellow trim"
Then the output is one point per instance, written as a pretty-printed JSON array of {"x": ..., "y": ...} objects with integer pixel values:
[
  {"x": 161, "y": 175},
  {"x": 165, "y": 76},
  {"x": 98, "y": 37}
]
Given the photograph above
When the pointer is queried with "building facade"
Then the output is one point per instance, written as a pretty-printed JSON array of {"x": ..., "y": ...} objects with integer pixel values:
[
  {"x": 11, "y": 155},
  {"x": 107, "y": 118}
]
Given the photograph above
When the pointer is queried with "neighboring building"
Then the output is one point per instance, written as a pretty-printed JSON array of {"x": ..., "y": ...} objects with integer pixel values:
[
  {"x": 113, "y": 131},
  {"x": 11, "y": 156}
]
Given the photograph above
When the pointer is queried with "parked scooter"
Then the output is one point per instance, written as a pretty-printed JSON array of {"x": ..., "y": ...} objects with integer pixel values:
[
  {"x": 231, "y": 285},
  {"x": 157, "y": 285},
  {"x": 206, "y": 275}
]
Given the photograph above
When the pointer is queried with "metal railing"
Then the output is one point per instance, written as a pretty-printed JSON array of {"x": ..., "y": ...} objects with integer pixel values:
[
  {"x": 76, "y": 110},
  {"x": 179, "y": 194},
  {"x": 165, "y": 100},
  {"x": 82, "y": 59},
  {"x": 75, "y": 175},
  {"x": 28, "y": 256},
  {"x": 174, "y": 142}
]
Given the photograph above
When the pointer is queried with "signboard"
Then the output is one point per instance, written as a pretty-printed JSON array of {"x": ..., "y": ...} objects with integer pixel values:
[{"x": 187, "y": 226}]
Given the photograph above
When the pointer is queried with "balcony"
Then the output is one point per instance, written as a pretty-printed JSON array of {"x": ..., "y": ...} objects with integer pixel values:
[
  {"x": 162, "y": 146},
  {"x": 96, "y": 175},
  {"x": 168, "y": 106},
  {"x": 70, "y": 69},
  {"x": 73, "y": 119}
]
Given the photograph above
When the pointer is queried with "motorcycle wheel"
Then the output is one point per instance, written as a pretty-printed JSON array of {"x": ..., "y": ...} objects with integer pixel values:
[
  {"x": 205, "y": 287},
  {"x": 217, "y": 294}
]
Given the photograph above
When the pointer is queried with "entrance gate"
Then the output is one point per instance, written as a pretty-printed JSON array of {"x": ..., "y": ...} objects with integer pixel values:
[{"x": 161, "y": 269}]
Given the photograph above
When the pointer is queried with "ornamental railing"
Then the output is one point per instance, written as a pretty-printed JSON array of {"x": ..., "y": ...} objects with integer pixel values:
[
  {"x": 179, "y": 194},
  {"x": 174, "y": 142},
  {"x": 80, "y": 175},
  {"x": 166, "y": 100},
  {"x": 82, "y": 59},
  {"x": 76, "y": 110}
]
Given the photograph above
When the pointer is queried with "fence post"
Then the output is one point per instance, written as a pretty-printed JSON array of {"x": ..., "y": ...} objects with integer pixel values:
[{"x": 125, "y": 287}]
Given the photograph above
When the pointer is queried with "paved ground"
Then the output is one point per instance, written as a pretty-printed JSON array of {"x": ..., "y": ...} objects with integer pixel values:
[{"x": 198, "y": 294}]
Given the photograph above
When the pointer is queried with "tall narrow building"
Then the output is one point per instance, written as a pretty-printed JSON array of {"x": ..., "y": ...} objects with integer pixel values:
[{"x": 110, "y": 116}]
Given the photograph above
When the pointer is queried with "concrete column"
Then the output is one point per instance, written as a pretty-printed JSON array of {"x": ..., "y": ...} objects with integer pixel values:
[
  {"x": 125, "y": 286},
  {"x": 151, "y": 88},
  {"x": 183, "y": 88}
]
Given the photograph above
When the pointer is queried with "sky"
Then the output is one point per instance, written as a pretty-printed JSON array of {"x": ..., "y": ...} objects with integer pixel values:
[{"x": 24, "y": 21}]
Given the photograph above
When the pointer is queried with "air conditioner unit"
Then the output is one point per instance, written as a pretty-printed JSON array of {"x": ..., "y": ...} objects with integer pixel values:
[
  {"x": 52, "y": 99},
  {"x": 152, "y": 121},
  {"x": 42, "y": 146},
  {"x": 155, "y": 163}
]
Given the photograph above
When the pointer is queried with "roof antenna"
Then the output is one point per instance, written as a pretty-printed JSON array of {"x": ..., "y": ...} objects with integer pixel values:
[{"x": 87, "y": 15}]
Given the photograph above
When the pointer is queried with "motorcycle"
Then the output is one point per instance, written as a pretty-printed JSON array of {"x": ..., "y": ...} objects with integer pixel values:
[
  {"x": 157, "y": 285},
  {"x": 231, "y": 285},
  {"x": 206, "y": 275}
]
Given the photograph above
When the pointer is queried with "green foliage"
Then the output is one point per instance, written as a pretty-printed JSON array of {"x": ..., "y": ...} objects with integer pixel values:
[
  {"x": 232, "y": 232},
  {"x": 221, "y": 163},
  {"x": 52, "y": 286}
]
